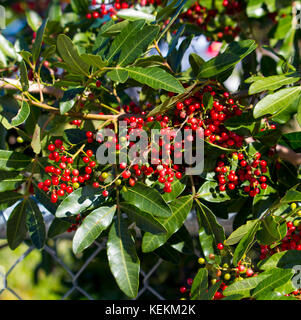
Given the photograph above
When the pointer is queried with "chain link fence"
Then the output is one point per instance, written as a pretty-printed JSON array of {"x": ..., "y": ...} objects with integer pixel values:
[{"x": 73, "y": 276}]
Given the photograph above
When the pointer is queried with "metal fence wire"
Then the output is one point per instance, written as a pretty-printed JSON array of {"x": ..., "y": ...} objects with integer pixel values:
[
  {"x": 94, "y": 251},
  {"x": 74, "y": 276}
]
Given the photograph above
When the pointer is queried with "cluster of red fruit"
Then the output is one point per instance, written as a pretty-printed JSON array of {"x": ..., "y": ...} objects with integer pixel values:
[
  {"x": 22, "y": 6},
  {"x": 189, "y": 114},
  {"x": 202, "y": 16},
  {"x": 249, "y": 173},
  {"x": 211, "y": 120},
  {"x": 232, "y": 6},
  {"x": 101, "y": 10},
  {"x": 78, "y": 221},
  {"x": 163, "y": 172},
  {"x": 64, "y": 178}
]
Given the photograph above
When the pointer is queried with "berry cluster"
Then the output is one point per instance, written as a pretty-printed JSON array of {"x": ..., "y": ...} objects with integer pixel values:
[
  {"x": 232, "y": 6},
  {"x": 78, "y": 221},
  {"x": 225, "y": 275},
  {"x": 211, "y": 120},
  {"x": 203, "y": 17},
  {"x": 249, "y": 173},
  {"x": 203, "y": 121},
  {"x": 64, "y": 177},
  {"x": 102, "y": 10}
]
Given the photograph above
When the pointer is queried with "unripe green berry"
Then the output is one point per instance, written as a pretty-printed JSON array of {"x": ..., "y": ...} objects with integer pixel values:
[
  {"x": 227, "y": 276},
  {"x": 118, "y": 182},
  {"x": 104, "y": 175},
  {"x": 20, "y": 140}
]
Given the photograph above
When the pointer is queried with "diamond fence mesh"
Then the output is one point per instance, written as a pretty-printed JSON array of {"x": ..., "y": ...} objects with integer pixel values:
[
  {"x": 74, "y": 276},
  {"x": 75, "y": 273}
]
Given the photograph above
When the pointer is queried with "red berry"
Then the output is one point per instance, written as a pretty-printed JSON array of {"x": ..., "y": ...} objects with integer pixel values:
[
  {"x": 89, "y": 134},
  {"x": 51, "y": 147},
  {"x": 220, "y": 246},
  {"x": 183, "y": 289}
]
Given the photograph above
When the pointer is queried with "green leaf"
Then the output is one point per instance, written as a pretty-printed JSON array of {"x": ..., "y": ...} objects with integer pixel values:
[
  {"x": 22, "y": 114},
  {"x": 172, "y": 18},
  {"x": 93, "y": 60},
  {"x": 137, "y": 44},
  {"x": 245, "y": 243},
  {"x": 240, "y": 232},
  {"x": 196, "y": 62},
  {"x": 16, "y": 226},
  {"x": 244, "y": 124},
  {"x": 9, "y": 198},
  {"x": 234, "y": 53},
  {"x": 291, "y": 195},
  {"x": 66, "y": 106},
  {"x": 210, "y": 231},
  {"x": 276, "y": 102},
  {"x": 115, "y": 28},
  {"x": 70, "y": 55},
  {"x": 37, "y": 45},
  {"x": 168, "y": 253},
  {"x": 147, "y": 199},
  {"x": 156, "y": 78},
  {"x": 283, "y": 27},
  {"x": 271, "y": 230},
  {"x": 207, "y": 101},
  {"x": 284, "y": 259},
  {"x": 272, "y": 83},
  {"x": 24, "y": 77},
  {"x": 93, "y": 225},
  {"x": 118, "y": 75},
  {"x": 209, "y": 191},
  {"x": 57, "y": 227},
  {"x": 178, "y": 186},
  {"x": 55, "y": 11},
  {"x": 35, "y": 224},
  {"x": 211, "y": 292},
  {"x": 26, "y": 56},
  {"x": 7, "y": 48},
  {"x": 10, "y": 180},
  {"x": 132, "y": 15},
  {"x": 165, "y": 13},
  {"x": 121, "y": 40},
  {"x": 74, "y": 136},
  {"x": 200, "y": 284},
  {"x": 277, "y": 278},
  {"x": 33, "y": 19},
  {"x": 254, "y": 9},
  {"x": 180, "y": 209},
  {"x": 123, "y": 260},
  {"x": 243, "y": 287},
  {"x": 49, "y": 52},
  {"x": 13, "y": 161},
  {"x": 36, "y": 140},
  {"x": 299, "y": 114},
  {"x": 79, "y": 201},
  {"x": 143, "y": 220}
]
